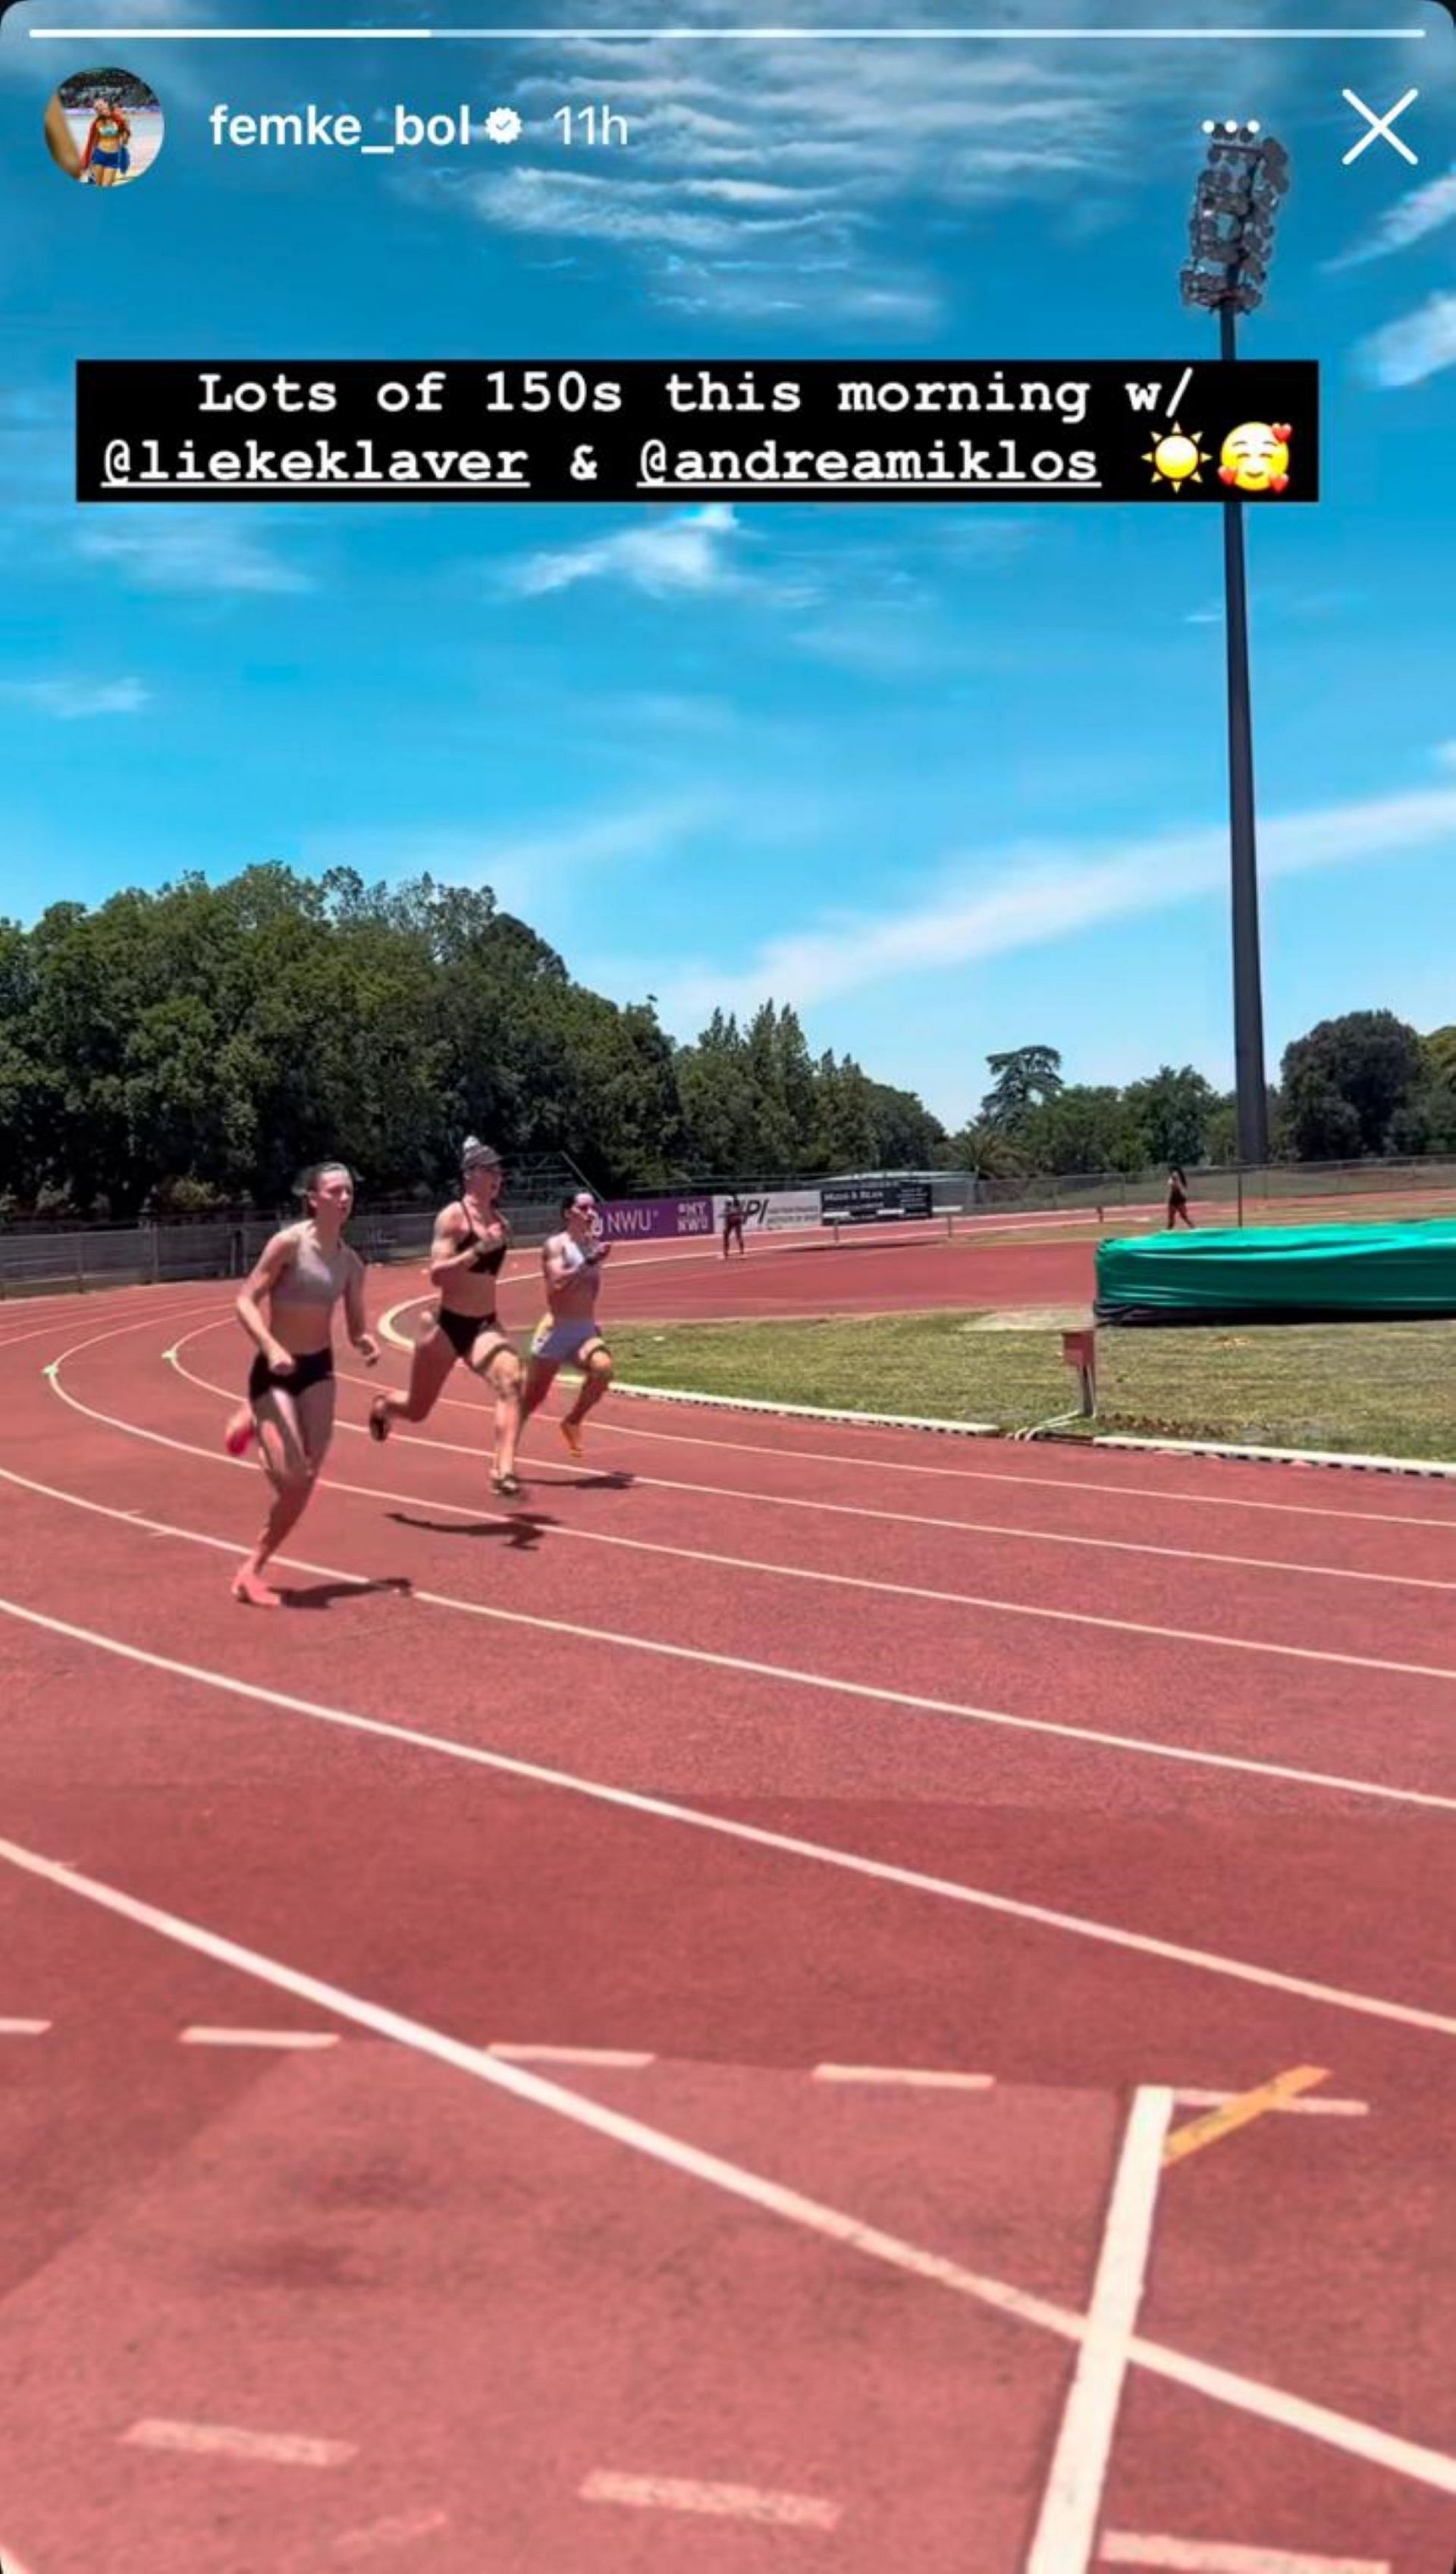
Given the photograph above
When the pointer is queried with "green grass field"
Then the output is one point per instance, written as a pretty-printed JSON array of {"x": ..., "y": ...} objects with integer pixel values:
[{"x": 1380, "y": 1389}]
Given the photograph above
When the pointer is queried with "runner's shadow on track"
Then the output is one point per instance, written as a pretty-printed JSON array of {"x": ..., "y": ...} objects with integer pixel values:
[
  {"x": 619, "y": 1481},
  {"x": 322, "y": 1595},
  {"x": 522, "y": 1531}
]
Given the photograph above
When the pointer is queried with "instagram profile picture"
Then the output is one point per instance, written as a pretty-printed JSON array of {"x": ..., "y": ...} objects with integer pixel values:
[{"x": 104, "y": 128}]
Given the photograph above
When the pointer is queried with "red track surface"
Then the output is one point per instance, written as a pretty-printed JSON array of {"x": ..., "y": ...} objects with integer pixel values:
[
  {"x": 750, "y": 1747},
  {"x": 923, "y": 1272}
]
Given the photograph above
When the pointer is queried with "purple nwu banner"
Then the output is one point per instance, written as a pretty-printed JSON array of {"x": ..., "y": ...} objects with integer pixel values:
[{"x": 654, "y": 1219}]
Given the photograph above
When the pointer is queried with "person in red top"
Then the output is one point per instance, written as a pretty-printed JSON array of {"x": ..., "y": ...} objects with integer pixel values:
[{"x": 107, "y": 156}]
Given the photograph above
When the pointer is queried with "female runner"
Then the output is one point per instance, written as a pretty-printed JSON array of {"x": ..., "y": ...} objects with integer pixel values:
[
  {"x": 301, "y": 1276},
  {"x": 469, "y": 1251},
  {"x": 107, "y": 157},
  {"x": 568, "y": 1334}
]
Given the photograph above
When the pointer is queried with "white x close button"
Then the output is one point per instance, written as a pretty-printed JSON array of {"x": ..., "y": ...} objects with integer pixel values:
[{"x": 1381, "y": 126}]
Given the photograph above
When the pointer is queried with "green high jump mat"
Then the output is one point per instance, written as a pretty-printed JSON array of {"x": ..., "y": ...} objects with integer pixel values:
[{"x": 1323, "y": 1273}]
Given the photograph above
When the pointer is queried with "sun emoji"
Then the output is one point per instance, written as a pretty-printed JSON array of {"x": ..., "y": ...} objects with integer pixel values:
[{"x": 1177, "y": 458}]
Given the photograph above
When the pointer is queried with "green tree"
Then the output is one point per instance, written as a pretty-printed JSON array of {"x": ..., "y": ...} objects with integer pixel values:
[
  {"x": 989, "y": 1151},
  {"x": 206, "y": 1040},
  {"x": 1426, "y": 1122},
  {"x": 845, "y": 1129},
  {"x": 719, "y": 1103},
  {"x": 1344, "y": 1083},
  {"x": 1024, "y": 1078},
  {"x": 1221, "y": 1133},
  {"x": 1171, "y": 1113},
  {"x": 1082, "y": 1129},
  {"x": 906, "y": 1136}
]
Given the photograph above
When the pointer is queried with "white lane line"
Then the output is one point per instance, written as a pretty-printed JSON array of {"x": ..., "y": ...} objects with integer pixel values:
[
  {"x": 1208, "y": 1639},
  {"x": 24, "y": 2028},
  {"x": 1320, "y": 2422},
  {"x": 227, "y": 2440},
  {"x": 298, "y": 2041},
  {"x": 867, "y": 1692},
  {"x": 1185, "y": 2096},
  {"x": 48, "y": 1331},
  {"x": 1213, "y": 2556},
  {"x": 382, "y": 2535},
  {"x": 565, "y": 1475},
  {"x": 924, "y": 2078},
  {"x": 568, "y": 2054},
  {"x": 1014, "y": 1476},
  {"x": 1313, "y": 2106},
  {"x": 1011, "y": 1475},
  {"x": 1066, "y": 2526},
  {"x": 720, "y": 2503},
  {"x": 756, "y": 1836}
]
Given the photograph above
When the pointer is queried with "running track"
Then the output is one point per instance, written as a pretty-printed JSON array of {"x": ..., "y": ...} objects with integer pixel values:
[{"x": 753, "y": 1748}]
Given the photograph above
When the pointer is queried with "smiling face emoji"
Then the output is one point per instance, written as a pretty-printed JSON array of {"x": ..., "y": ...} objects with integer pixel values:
[{"x": 1255, "y": 457}]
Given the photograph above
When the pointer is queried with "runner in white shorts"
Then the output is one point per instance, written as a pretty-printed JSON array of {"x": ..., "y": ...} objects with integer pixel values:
[{"x": 568, "y": 1335}]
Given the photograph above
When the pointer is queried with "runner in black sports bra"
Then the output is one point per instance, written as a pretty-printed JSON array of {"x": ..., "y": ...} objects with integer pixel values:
[
  {"x": 464, "y": 1330},
  {"x": 471, "y": 1241}
]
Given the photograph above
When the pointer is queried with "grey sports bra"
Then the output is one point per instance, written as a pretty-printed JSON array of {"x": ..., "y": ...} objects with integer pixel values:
[{"x": 312, "y": 1276}]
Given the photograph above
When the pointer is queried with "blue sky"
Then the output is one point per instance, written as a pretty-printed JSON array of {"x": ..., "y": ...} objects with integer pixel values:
[{"x": 948, "y": 782}]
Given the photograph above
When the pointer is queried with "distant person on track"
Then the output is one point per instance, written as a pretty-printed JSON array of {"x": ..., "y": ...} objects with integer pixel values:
[
  {"x": 1178, "y": 1200},
  {"x": 303, "y": 1273},
  {"x": 568, "y": 1335},
  {"x": 733, "y": 1224},
  {"x": 467, "y": 1256}
]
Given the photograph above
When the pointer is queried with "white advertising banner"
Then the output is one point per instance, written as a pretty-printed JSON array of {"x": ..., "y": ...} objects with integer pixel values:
[{"x": 779, "y": 1211}]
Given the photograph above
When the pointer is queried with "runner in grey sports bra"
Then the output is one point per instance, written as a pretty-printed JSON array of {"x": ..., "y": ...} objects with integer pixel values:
[
  {"x": 305, "y": 1271},
  {"x": 314, "y": 1279}
]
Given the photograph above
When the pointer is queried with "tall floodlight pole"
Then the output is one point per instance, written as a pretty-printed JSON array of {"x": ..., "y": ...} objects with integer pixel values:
[{"x": 1232, "y": 237}]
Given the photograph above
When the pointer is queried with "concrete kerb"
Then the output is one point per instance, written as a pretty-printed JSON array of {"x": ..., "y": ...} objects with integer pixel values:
[
  {"x": 1432, "y": 1469},
  {"x": 811, "y": 1411}
]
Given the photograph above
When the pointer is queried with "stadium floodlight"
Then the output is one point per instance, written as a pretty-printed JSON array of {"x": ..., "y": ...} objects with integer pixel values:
[{"x": 1231, "y": 238}]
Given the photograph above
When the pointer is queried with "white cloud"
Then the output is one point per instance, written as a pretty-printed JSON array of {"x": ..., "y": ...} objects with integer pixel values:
[
  {"x": 694, "y": 553},
  {"x": 68, "y": 699},
  {"x": 1424, "y": 211},
  {"x": 177, "y": 550},
  {"x": 1415, "y": 346},
  {"x": 1016, "y": 899},
  {"x": 780, "y": 172}
]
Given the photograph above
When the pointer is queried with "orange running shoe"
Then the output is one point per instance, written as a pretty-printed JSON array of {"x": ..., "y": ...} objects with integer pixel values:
[{"x": 572, "y": 1433}]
